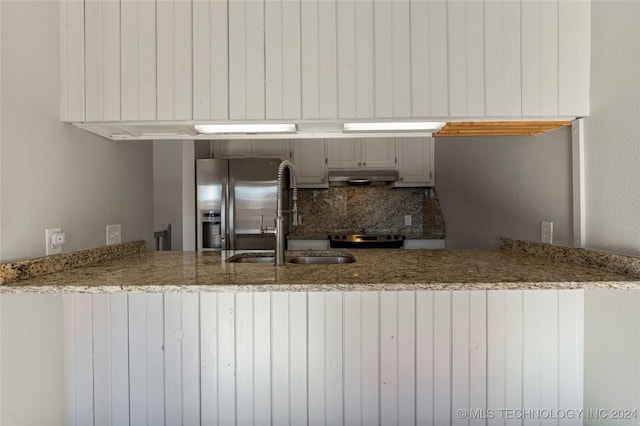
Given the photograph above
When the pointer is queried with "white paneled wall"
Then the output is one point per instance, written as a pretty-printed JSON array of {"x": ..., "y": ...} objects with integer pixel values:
[
  {"x": 324, "y": 59},
  {"x": 322, "y": 358}
]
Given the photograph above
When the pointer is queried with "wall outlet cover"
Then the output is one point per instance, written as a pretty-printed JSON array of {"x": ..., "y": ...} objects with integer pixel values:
[
  {"x": 114, "y": 234},
  {"x": 407, "y": 220},
  {"x": 49, "y": 248}
]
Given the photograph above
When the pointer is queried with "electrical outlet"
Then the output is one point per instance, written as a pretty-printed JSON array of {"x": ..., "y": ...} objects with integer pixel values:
[
  {"x": 546, "y": 232},
  {"x": 114, "y": 234},
  {"x": 407, "y": 220},
  {"x": 50, "y": 247}
]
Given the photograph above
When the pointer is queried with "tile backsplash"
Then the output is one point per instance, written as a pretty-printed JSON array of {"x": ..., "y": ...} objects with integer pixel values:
[{"x": 369, "y": 209}]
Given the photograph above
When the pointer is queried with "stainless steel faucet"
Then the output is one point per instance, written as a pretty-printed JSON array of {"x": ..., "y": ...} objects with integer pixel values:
[{"x": 278, "y": 230}]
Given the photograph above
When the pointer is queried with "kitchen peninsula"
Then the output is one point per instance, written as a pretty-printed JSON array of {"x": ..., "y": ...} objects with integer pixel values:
[
  {"x": 519, "y": 265},
  {"x": 397, "y": 337}
]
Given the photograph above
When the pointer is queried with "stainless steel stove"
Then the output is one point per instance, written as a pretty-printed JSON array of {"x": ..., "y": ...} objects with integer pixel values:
[{"x": 339, "y": 240}]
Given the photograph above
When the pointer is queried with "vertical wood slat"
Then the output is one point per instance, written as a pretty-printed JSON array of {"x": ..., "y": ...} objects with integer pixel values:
[
  {"x": 83, "y": 357},
  {"x": 274, "y": 82},
  {"x": 407, "y": 378},
  {"x": 146, "y": 358},
  {"x": 280, "y": 356},
  {"x": 226, "y": 359},
  {"x": 502, "y": 58},
  {"x": 389, "y": 363},
  {"x": 466, "y": 58},
  {"x": 210, "y": 61},
  {"x": 282, "y": 59},
  {"x": 310, "y": 61},
  {"x": 346, "y": 45},
  {"x": 110, "y": 354},
  {"x": 539, "y": 58},
  {"x": 237, "y": 59},
  {"x": 574, "y": 35},
  {"x": 334, "y": 356},
  {"x": 262, "y": 360},
  {"x": 291, "y": 60},
  {"x": 425, "y": 352},
  {"x": 364, "y": 63},
  {"x": 442, "y": 357},
  {"x": 327, "y": 57},
  {"x": 208, "y": 359},
  {"x": 540, "y": 351},
  {"x": 570, "y": 351},
  {"x": 138, "y": 56},
  {"x": 174, "y": 59},
  {"x": 316, "y": 368},
  {"x": 254, "y": 60},
  {"x": 429, "y": 73},
  {"x": 401, "y": 53},
  {"x": 460, "y": 365},
  {"x": 298, "y": 356},
  {"x": 72, "y": 93},
  {"x": 383, "y": 63},
  {"x": 182, "y": 360},
  {"x": 68, "y": 321},
  {"x": 102, "y": 60},
  {"x": 478, "y": 353},
  {"x": 244, "y": 358}
]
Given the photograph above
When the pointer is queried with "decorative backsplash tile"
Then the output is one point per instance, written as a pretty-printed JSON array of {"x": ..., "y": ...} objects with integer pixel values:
[{"x": 369, "y": 209}]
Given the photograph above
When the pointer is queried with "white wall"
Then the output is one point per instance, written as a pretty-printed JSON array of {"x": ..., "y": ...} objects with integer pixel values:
[
  {"x": 612, "y": 320},
  {"x": 613, "y": 129},
  {"x": 54, "y": 175},
  {"x": 496, "y": 187},
  {"x": 612, "y": 345},
  {"x": 32, "y": 385},
  {"x": 174, "y": 191}
]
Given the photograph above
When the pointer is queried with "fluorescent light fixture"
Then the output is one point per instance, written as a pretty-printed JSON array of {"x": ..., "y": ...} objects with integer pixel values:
[
  {"x": 246, "y": 128},
  {"x": 397, "y": 126}
]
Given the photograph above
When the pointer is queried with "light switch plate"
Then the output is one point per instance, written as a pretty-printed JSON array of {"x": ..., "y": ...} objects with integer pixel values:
[
  {"x": 407, "y": 220},
  {"x": 114, "y": 234},
  {"x": 546, "y": 232},
  {"x": 49, "y": 249}
]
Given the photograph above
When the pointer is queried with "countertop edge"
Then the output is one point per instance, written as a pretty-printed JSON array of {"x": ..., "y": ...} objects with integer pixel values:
[{"x": 297, "y": 288}]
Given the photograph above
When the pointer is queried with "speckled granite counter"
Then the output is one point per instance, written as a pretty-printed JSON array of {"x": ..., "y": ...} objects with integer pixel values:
[{"x": 510, "y": 268}]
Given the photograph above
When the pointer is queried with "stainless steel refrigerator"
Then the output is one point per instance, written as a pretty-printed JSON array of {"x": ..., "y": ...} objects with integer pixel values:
[{"x": 234, "y": 198}]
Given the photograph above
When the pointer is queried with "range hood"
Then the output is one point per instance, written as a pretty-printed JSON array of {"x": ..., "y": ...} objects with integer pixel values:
[{"x": 361, "y": 177}]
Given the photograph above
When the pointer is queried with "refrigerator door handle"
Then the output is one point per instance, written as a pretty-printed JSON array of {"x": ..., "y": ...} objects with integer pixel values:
[
  {"x": 231, "y": 233},
  {"x": 224, "y": 217}
]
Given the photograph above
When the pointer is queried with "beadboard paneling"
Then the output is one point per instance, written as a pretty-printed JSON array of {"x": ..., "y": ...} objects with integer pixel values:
[{"x": 321, "y": 358}]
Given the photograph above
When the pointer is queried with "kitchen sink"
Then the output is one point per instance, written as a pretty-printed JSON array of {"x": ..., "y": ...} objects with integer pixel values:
[
  {"x": 322, "y": 260},
  {"x": 252, "y": 259},
  {"x": 307, "y": 259}
]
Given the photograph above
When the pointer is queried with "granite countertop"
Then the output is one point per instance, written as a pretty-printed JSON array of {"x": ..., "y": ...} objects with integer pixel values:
[{"x": 517, "y": 266}]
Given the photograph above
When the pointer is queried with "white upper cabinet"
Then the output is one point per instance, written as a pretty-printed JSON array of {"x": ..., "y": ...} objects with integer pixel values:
[
  {"x": 371, "y": 153},
  {"x": 415, "y": 162},
  {"x": 309, "y": 158},
  {"x": 171, "y": 60},
  {"x": 245, "y": 148}
]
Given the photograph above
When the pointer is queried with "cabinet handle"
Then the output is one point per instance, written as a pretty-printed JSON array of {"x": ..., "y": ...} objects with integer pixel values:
[
  {"x": 364, "y": 164},
  {"x": 359, "y": 164}
]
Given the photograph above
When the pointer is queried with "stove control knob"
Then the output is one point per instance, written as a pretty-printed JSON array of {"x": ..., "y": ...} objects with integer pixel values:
[
  {"x": 395, "y": 237},
  {"x": 388, "y": 237},
  {"x": 337, "y": 237},
  {"x": 344, "y": 237}
]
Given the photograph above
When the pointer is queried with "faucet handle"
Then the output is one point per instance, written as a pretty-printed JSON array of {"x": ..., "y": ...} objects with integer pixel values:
[{"x": 266, "y": 229}]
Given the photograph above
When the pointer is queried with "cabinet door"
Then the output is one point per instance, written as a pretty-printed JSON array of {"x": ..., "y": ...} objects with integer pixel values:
[
  {"x": 415, "y": 161},
  {"x": 310, "y": 161},
  {"x": 343, "y": 154},
  {"x": 378, "y": 153},
  {"x": 239, "y": 148},
  {"x": 268, "y": 148}
]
